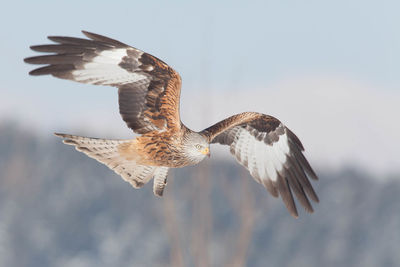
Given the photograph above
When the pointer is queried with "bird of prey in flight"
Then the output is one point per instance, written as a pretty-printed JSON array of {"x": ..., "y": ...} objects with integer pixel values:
[{"x": 148, "y": 95}]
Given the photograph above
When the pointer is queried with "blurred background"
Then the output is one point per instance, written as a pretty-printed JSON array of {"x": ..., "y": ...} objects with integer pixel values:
[{"x": 328, "y": 70}]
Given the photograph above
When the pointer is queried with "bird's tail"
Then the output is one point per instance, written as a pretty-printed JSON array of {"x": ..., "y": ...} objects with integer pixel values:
[{"x": 106, "y": 151}]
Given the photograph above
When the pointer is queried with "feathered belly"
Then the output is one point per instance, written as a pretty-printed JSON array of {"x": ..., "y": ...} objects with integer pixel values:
[{"x": 154, "y": 153}]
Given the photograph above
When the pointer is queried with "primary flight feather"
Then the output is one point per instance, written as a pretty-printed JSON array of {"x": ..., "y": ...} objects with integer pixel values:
[{"x": 148, "y": 95}]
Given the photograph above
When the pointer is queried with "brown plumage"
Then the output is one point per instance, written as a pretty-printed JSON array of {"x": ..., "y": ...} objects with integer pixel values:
[{"x": 148, "y": 95}]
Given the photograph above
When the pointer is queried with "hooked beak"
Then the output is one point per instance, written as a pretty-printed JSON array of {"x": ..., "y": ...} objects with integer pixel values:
[{"x": 206, "y": 152}]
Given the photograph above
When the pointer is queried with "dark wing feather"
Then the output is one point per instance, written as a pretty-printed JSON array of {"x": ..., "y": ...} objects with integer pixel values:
[
  {"x": 149, "y": 90},
  {"x": 272, "y": 154}
]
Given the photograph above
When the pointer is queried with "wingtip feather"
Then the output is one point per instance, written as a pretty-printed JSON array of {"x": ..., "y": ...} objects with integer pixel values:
[
  {"x": 36, "y": 48},
  {"x": 37, "y": 72},
  {"x": 104, "y": 39},
  {"x": 29, "y": 60},
  {"x": 59, "y": 134}
]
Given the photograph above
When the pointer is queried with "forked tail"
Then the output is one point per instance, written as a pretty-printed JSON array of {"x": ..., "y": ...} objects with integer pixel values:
[{"x": 106, "y": 151}]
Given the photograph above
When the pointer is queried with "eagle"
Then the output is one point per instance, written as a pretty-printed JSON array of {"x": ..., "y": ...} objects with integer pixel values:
[{"x": 148, "y": 96}]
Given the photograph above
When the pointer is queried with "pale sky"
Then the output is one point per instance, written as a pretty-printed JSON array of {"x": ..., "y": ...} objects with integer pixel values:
[{"x": 329, "y": 71}]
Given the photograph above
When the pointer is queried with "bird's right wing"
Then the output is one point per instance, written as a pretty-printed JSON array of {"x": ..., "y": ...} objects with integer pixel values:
[
  {"x": 149, "y": 90},
  {"x": 272, "y": 154}
]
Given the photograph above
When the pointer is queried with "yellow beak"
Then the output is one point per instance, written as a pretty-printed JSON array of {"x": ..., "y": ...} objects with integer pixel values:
[{"x": 206, "y": 151}]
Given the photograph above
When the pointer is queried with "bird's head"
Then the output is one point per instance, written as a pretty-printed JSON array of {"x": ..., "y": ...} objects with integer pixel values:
[{"x": 196, "y": 147}]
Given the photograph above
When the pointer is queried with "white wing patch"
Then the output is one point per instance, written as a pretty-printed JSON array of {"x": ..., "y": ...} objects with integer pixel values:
[
  {"x": 104, "y": 69},
  {"x": 273, "y": 156},
  {"x": 262, "y": 160}
]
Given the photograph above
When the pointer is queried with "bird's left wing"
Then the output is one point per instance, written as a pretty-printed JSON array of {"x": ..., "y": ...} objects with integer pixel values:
[
  {"x": 272, "y": 154},
  {"x": 148, "y": 89}
]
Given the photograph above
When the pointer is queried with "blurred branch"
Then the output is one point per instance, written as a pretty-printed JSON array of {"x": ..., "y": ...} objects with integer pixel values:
[
  {"x": 244, "y": 206},
  {"x": 202, "y": 216}
]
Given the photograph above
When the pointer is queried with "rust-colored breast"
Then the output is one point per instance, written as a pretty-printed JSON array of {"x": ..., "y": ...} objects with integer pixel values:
[{"x": 156, "y": 149}]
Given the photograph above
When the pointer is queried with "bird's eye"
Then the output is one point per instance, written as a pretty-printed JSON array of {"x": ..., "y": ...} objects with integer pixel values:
[{"x": 198, "y": 146}]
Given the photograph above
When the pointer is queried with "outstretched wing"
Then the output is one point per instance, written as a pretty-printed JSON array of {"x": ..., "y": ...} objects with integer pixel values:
[
  {"x": 149, "y": 90},
  {"x": 272, "y": 154}
]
